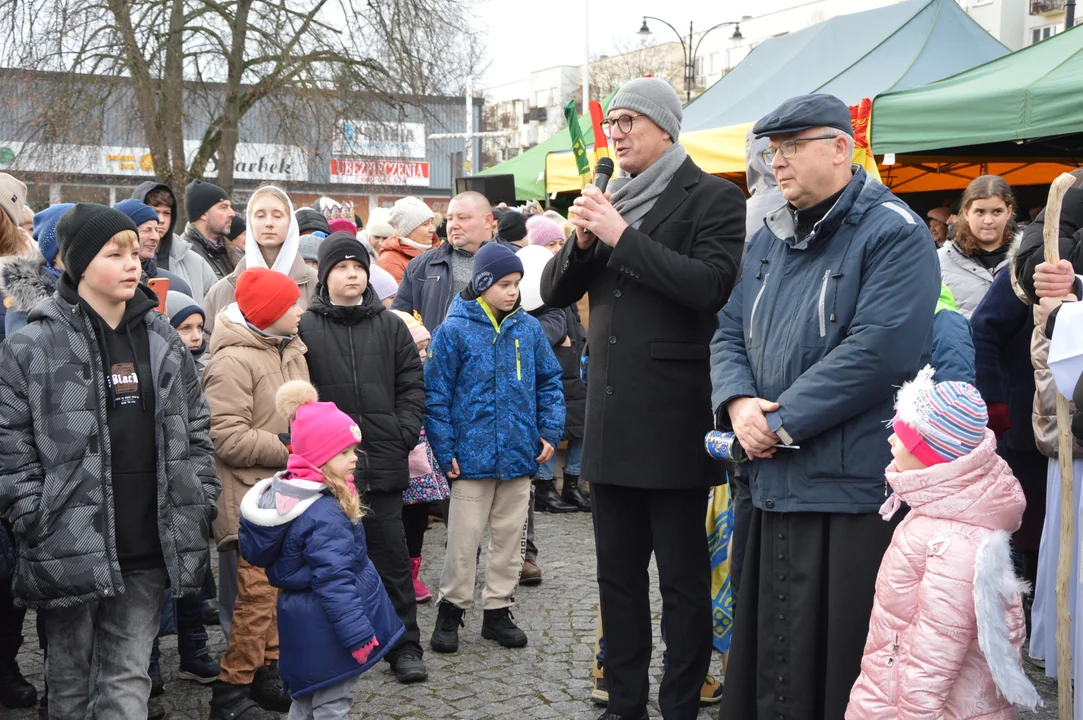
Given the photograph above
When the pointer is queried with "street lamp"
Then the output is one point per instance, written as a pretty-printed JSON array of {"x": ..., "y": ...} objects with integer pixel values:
[{"x": 687, "y": 50}]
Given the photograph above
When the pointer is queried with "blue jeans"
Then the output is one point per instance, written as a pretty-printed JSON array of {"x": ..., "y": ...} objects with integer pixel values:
[
  {"x": 572, "y": 464},
  {"x": 99, "y": 652}
]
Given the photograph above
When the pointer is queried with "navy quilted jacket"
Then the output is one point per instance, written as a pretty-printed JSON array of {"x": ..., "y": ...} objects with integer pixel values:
[
  {"x": 493, "y": 392},
  {"x": 331, "y": 602}
]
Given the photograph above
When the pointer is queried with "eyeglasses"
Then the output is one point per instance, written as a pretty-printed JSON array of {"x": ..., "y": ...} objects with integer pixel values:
[
  {"x": 788, "y": 148},
  {"x": 623, "y": 122}
]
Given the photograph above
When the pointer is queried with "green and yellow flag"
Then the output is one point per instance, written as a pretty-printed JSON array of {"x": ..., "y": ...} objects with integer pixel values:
[{"x": 579, "y": 146}]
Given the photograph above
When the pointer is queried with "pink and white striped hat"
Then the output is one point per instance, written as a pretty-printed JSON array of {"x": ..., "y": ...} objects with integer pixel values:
[{"x": 939, "y": 422}]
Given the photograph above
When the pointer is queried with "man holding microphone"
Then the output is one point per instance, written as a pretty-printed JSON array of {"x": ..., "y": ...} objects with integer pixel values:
[{"x": 658, "y": 255}]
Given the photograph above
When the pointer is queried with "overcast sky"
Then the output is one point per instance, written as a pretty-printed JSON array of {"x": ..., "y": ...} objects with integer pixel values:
[{"x": 523, "y": 37}]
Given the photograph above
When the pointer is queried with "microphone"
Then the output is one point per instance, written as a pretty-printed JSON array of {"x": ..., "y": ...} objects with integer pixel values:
[{"x": 603, "y": 170}]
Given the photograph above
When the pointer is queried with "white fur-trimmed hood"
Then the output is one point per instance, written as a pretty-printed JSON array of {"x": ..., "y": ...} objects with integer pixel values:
[{"x": 270, "y": 517}]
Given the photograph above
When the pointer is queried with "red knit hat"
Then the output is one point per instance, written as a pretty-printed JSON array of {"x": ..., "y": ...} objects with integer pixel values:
[{"x": 265, "y": 295}]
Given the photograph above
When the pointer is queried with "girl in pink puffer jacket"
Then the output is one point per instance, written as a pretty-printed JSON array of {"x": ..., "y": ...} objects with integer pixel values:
[{"x": 947, "y": 622}]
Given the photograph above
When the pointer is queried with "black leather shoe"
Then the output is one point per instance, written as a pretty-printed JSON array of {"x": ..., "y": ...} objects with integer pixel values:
[
  {"x": 572, "y": 495},
  {"x": 546, "y": 498},
  {"x": 409, "y": 668}
]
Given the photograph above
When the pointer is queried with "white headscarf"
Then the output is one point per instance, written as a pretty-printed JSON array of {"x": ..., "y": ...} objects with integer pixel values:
[{"x": 288, "y": 252}]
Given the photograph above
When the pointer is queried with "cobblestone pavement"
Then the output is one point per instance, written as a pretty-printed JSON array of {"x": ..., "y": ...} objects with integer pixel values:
[{"x": 550, "y": 678}]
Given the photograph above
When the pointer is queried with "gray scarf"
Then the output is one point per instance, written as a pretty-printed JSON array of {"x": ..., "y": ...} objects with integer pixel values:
[{"x": 633, "y": 197}]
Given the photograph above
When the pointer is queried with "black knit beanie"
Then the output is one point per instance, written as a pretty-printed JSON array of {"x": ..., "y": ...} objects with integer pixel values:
[
  {"x": 512, "y": 226},
  {"x": 199, "y": 197},
  {"x": 83, "y": 231},
  {"x": 339, "y": 246}
]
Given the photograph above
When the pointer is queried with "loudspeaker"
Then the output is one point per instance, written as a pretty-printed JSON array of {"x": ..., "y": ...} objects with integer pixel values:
[{"x": 497, "y": 188}]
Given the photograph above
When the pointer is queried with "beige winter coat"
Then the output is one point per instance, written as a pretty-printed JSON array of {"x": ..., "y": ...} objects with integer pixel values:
[{"x": 244, "y": 373}]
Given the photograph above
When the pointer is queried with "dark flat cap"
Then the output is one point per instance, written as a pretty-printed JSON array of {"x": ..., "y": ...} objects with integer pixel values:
[{"x": 804, "y": 112}]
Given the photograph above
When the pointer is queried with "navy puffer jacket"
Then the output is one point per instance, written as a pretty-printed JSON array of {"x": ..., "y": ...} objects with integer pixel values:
[{"x": 332, "y": 601}]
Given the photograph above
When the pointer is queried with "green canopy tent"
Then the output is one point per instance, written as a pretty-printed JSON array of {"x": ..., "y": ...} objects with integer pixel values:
[
  {"x": 1020, "y": 116},
  {"x": 529, "y": 167}
]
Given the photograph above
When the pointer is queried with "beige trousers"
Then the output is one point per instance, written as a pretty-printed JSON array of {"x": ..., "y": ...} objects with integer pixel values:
[{"x": 503, "y": 505}]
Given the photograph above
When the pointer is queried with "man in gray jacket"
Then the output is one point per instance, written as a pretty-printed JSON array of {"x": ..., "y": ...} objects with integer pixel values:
[
  {"x": 834, "y": 310},
  {"x": 174, "y": 252}
]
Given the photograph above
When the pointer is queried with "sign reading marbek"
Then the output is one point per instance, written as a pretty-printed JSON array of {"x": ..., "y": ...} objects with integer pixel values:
[
  {"x": 252, "y": 161},
  {"x": 373, "y": 139}
]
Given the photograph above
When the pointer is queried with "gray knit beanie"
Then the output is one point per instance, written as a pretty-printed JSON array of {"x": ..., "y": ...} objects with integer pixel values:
[{"x": 654, "y": 98}]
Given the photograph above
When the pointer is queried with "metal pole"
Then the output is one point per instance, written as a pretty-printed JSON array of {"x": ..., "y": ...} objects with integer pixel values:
[
  {"x": 689, "y": 67},
  {"x": 468, "y": 154},
  {"x": 586, "y": 57},
  {"x": 1069, "y": 15}
]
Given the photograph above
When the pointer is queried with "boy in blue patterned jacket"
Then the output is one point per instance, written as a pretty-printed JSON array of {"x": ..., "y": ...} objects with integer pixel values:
[{"x": 494, "y": 410}]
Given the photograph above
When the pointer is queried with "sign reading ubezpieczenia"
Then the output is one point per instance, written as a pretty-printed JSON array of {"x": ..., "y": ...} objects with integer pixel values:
[
  {"x": 379, "y": 172},
  {"x": 372, "y": 139}
]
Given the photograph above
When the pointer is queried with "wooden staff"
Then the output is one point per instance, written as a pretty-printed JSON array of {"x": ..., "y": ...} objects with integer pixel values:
[{"x": 1067, "y": 479}]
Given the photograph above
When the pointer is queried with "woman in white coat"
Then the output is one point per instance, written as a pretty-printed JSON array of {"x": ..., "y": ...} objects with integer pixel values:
[{"x": 983, "y": 237}]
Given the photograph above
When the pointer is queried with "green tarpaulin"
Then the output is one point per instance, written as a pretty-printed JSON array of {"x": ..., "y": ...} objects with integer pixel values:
[
  {"x": 529, "y": 168},
  {"x": 1036, "y": 92}
]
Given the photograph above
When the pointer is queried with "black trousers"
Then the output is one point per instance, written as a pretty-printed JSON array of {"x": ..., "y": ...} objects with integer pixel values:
[
  {"x": 415, "y": 521},
  {"x": 802, "y": 617},
  {"x": 387, "y": 550},
  {"x": 628, "y": 524}
]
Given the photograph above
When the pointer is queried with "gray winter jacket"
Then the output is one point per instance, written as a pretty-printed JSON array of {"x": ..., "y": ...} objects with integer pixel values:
[
  {"x": 55, "y": 462},
  {"x": 175, "y": 254},
  {"x": 191, "y": 267},
  {"x": 967, "y": 278}
]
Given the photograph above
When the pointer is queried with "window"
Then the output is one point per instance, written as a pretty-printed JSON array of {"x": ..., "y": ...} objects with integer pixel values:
[
  {"x": 712, "y": 63},
  {"x": 1042, "y": 33}
]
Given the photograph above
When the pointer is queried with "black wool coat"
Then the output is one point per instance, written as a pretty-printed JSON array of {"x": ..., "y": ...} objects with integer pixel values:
[
  {"x": 654, "y": 301},
  {"x": 363, "y": 359}
]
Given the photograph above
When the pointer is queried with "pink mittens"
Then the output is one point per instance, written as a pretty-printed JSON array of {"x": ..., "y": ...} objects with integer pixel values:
[{"x": 361, "y": 654}]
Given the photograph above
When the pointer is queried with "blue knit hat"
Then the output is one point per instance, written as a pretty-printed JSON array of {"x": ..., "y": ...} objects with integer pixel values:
[
  {"x": 45, "y": 230},
  {"x": 492, "y": 262},
  {"x": 947, "y": 418},
  {"x": 137, "y": 210}
]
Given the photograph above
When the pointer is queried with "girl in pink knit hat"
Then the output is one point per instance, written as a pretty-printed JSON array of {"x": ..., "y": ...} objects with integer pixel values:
[
  {"x": 947, "y": 623},
  {"x": 335, "y": 620}
]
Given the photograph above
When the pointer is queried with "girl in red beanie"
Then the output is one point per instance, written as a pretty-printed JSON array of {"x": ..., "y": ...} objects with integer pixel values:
[{"x": 254, "y": 350}]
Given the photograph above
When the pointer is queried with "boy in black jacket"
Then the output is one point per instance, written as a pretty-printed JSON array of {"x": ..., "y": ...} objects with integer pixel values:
[
  {"x": 363, "y": 358},
  {"x": 98, "y": 533}
]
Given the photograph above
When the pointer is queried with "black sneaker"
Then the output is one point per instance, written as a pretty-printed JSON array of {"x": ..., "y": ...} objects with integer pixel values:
[
  {"x": 410, "y": 668},
  {"x": 445, "y": 636},
  {"x": 15, "y": 691},
  {"x": 498, "y": 626},
  {"x": 268, "y": 690},
  {"x": 614, "y": 716},
  {"x": 233, "y": 702}
]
